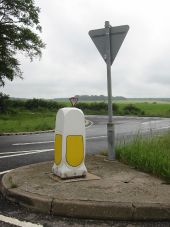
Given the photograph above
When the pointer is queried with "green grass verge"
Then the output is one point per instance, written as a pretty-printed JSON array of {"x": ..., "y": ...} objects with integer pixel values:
[
  {"x": 27, "y": 121},
  {"x": 150, "y": 154},
  {"x": 154, "y": 109}
]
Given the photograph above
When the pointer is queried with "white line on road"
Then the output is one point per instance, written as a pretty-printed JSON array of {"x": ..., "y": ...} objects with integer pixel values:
[
  {"x": 95, "y": 137},
  {"x": 165, "y": 127},
  {"x": 153, "y": 122},
  {"x": 91, "y": 124},
  {"x": 17, "y": 222},
  {"x": 41, "y": 142},
  {"x": 15, "y": 152},
  {"x": 31, "y": 143},
  {"x": 26, "y": 153}
]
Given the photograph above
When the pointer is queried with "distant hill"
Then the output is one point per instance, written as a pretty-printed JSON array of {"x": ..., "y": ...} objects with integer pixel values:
[
  {"x": 101, "y": 98},
  {"x": 83, "y": 98}
]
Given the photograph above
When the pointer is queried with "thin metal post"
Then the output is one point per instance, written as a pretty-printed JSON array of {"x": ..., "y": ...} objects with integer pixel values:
[{"x": 110, "y": 125}]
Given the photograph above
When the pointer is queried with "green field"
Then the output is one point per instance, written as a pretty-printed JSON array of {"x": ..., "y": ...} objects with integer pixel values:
[{"x": 155, "y": 109}]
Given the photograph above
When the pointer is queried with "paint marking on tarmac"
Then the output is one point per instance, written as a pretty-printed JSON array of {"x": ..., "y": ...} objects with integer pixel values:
[
  {"x": 95, "y": 137},
  {"x": 39, "y": 142},
  {"x": 17, "y": 222},
  {"x": 151, "y": 122},
  {"x": 165, "y": 127},
  {"x": 31, "y": 143},
  {"x": 26, "y": 153},
  {"x": 162, "y": 128},
  {"x": 91, "y": 124},
  {"x": 15, "y": 152}
]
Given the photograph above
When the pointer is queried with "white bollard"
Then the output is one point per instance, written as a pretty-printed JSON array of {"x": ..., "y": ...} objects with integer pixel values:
[{"x": 69, "y": 151}]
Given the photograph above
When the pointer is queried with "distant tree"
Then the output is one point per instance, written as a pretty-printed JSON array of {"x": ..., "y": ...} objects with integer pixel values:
[
  {"x": 19, "y": 21},
  {"x": 3, "y": 102}
]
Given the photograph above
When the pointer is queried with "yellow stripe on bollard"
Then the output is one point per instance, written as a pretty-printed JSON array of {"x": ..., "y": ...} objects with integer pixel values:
[
  {"x": 58, "y": 149},
  {"x": 74, "y": 150}
]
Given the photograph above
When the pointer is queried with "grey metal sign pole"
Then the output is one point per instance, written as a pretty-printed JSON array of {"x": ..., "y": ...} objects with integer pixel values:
[
  {"x": 108, "y": 41},
  {"x": 110, "y": 125}
]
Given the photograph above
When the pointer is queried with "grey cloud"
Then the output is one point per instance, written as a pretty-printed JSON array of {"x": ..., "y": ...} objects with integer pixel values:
[
  {"x": 158, "y": 71},
  {"x": 71, "y": 63}
]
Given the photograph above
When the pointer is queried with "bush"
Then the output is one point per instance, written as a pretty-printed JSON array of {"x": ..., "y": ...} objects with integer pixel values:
[
  {"x": 38, "y": 104},
  {"x": 4, "y": 101},
  {"x": 132, "y": 110},
  {"x": 17, "y": 103},
  {"x": 115, "y": 108},
  {"x": 96, "y": 107}
]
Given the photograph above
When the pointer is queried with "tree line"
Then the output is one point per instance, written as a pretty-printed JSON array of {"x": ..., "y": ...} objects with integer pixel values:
[{"x": 8, "y": 105}]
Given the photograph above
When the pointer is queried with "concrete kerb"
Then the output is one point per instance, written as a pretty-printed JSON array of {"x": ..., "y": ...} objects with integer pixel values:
[
  {"x": 90, "y": 199},
  {"x": 34, "y": 202},
  {"x": 24, "y": 133}
]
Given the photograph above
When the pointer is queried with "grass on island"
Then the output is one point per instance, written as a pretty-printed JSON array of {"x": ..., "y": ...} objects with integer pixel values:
[
  {"x": 154, "y": 109},
  {"x": 151, "y": 154},
  {"x": 27, "y": 121}
]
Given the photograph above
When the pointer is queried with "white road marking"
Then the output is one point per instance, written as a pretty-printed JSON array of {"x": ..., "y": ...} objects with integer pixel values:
[
  {"x": 26, "y": 153},
  {"x": 15, "y": 152},
  {"x": 91, "y": 124},
  {"x": 17, "y": 222},
  {"x": 95, "y": 137},
  {"x": 40, "y": 142},
  {"x": 151, "y": 122},
  {"x": 165, "y": 127}
]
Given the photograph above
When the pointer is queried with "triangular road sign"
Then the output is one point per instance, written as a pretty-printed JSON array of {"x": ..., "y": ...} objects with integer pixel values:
[
  {"x": 73, "y": 100},
  {"x": 117, "y": 35}
]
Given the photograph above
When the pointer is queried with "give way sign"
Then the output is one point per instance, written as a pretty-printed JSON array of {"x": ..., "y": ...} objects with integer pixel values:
[{"x": 117, "y": 36}]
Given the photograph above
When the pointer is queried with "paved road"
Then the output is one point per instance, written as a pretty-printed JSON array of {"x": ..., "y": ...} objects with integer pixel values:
[{"x": 19, "y": 150}]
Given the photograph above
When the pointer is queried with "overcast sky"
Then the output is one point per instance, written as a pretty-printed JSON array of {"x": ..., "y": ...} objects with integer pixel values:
[{"x": 71, "y": 64}]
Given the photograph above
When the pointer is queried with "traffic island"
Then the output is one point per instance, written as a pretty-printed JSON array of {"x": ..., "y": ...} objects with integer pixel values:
[{"x": 111, "y": 190}]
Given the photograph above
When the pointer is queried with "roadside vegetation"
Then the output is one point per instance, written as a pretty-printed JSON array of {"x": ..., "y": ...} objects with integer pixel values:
[
  {"x": 148, "y": 109},
  {"x": 26, "y": 121},
  {"x": 18, "y": 115},
  {"x": 151, "y": 154}
]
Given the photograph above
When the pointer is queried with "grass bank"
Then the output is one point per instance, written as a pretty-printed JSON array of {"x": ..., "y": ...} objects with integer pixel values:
[
  {"x": 150, "y": 154},
  {"x": 26, "y": 121},
  {"x": 153, "y": 109}
]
